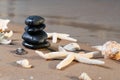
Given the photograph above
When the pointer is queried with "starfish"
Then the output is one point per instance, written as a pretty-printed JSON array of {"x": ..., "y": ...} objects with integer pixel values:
[
  {"x": 3, "y": 24},
  {"x": 69, "y": 57},
  {"x": 55, "y": 36},
  {"x": 110, "y": 49}
]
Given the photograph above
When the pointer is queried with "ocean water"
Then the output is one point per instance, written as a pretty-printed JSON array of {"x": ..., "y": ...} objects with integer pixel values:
[{"x": 90, "y": 21}]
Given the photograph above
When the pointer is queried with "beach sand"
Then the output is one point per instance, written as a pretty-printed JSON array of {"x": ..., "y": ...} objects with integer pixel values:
[{"x": 45, "y": 69}]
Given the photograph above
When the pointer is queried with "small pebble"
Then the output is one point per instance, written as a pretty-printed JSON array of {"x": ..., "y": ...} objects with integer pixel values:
[{"x": 20, "y": 51}]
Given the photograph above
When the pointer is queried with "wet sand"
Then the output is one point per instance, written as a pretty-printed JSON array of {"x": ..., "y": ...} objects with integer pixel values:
[{"x": 91, "y": 22}]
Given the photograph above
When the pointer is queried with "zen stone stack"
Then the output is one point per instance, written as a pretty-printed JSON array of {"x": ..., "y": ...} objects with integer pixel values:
[{"x": 34, "y": 37}]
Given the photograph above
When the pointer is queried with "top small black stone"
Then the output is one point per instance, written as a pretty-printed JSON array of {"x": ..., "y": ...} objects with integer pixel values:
[{"x": 34, "y": 20}]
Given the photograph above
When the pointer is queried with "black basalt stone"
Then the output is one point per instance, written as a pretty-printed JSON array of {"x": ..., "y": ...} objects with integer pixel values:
[
  {"x": 35, "y": 38},
  {"x": 34, "y": 30},
  {"x": 36, "y": 46},
  {"x": 34, "y": 20}
]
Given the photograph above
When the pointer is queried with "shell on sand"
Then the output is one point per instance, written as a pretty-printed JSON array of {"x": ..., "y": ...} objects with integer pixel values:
[
  {"x": 115, "y": 56},
  {"x": 84, "y": 76},
  {"x": 72, "y": 47},
  {"x": 3, "y": 24},
  {"x": 4, "y": 37},
  {"x": 24, "y": 63},
  {"x": 110, "y": 49}
]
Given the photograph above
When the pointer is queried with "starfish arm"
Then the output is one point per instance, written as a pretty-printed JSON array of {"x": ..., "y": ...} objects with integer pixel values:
[
  {"x": 49, "y": 35},
  {"x": 94, "y": 54},
  {"x": 100, "y": 47},
  {"x": 63, "y": 34},
  {"x": 67, "y": 38},
  {"x": 61, "y": 49},
  {"x": 41, "y": 54},
  {"x": 54, "y": 38},
  {"x": 52, "y": 55},
  {"x": 88, "y": 61},
  {"x": 66, "y": 61}
]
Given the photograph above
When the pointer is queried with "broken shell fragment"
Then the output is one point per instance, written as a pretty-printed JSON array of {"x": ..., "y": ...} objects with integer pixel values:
[
  {"x": 20, "y": 51},
  {"x": 115, "y": 56},
  {"x": 84, "y": 76},
  {"x": 5, "y": 41},
  {"x": 3, "y": 24},
  {"x": 8, "y": 34},
  {"x": 72, "y": 47},
  {"x": 24, "y": 63}
]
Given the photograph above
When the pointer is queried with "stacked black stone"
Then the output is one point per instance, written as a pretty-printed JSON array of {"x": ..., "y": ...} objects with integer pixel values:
[{"x": 34, "y": 37}]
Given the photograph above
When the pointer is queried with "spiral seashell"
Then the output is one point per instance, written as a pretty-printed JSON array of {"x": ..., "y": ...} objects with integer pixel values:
[{"x": 24, "y": 63}]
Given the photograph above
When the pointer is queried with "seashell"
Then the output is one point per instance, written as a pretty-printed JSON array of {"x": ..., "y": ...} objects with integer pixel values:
[
  {"x": 115, "y": 56},
  {"x": 20, "y": 51},
  {"x": 3, "y": 24},
  {"x": 72, "y": 47},
  {"x": 109, "y": 48},
  {"x": 84, "y": 76},
  {"x": 24, "y": 63},
  {"x": 5, "y": 41},
  {"x": 8, "y": 34}
]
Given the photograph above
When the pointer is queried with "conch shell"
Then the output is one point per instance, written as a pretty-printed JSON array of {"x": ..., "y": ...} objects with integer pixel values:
[
  {"x": 115, "y": 56},
  {"x": 110, "y": 49},
  {"x": 72, "y": 47},
  {"x": 24, "y": 63}
]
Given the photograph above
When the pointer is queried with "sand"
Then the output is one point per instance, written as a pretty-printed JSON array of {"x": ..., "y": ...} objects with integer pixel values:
[{"x": 45, "y": 70}]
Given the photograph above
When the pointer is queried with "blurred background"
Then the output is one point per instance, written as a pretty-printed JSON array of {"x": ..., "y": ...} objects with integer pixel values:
[{"x": 90, "y": 21}]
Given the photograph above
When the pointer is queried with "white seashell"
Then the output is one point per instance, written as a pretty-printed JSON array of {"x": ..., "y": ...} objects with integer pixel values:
[
  {"x": 24, "y": 63},
  {"x": 109, "y": 48},
  {"x": 5, "y": 41},
  {"x": 61, "y": 49},
  {"x": 3, "y": 24},
  {"x": 67, "y": 38},
  {"x": 8, "y": 34},
  {"x": 72, "y": 47},
  {"x": 84, "y": 76}
]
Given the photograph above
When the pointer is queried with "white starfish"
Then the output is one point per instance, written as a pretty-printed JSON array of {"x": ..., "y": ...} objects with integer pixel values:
[
  {"x": 109, "y": 48},
  {"x": 55, "y": 36},
  {"x": 3, "y": 24},
  {"x": 69, "y": 57}
]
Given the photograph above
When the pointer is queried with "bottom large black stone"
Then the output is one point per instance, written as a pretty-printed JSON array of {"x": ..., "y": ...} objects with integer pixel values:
[{"x": 36, "y": 46}]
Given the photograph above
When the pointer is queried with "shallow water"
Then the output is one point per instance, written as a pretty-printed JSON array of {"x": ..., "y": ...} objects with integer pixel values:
[{"x": 90, "y": 21}]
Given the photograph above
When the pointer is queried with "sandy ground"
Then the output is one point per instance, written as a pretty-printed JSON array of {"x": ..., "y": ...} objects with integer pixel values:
[{"x": 45, "y": 70}]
